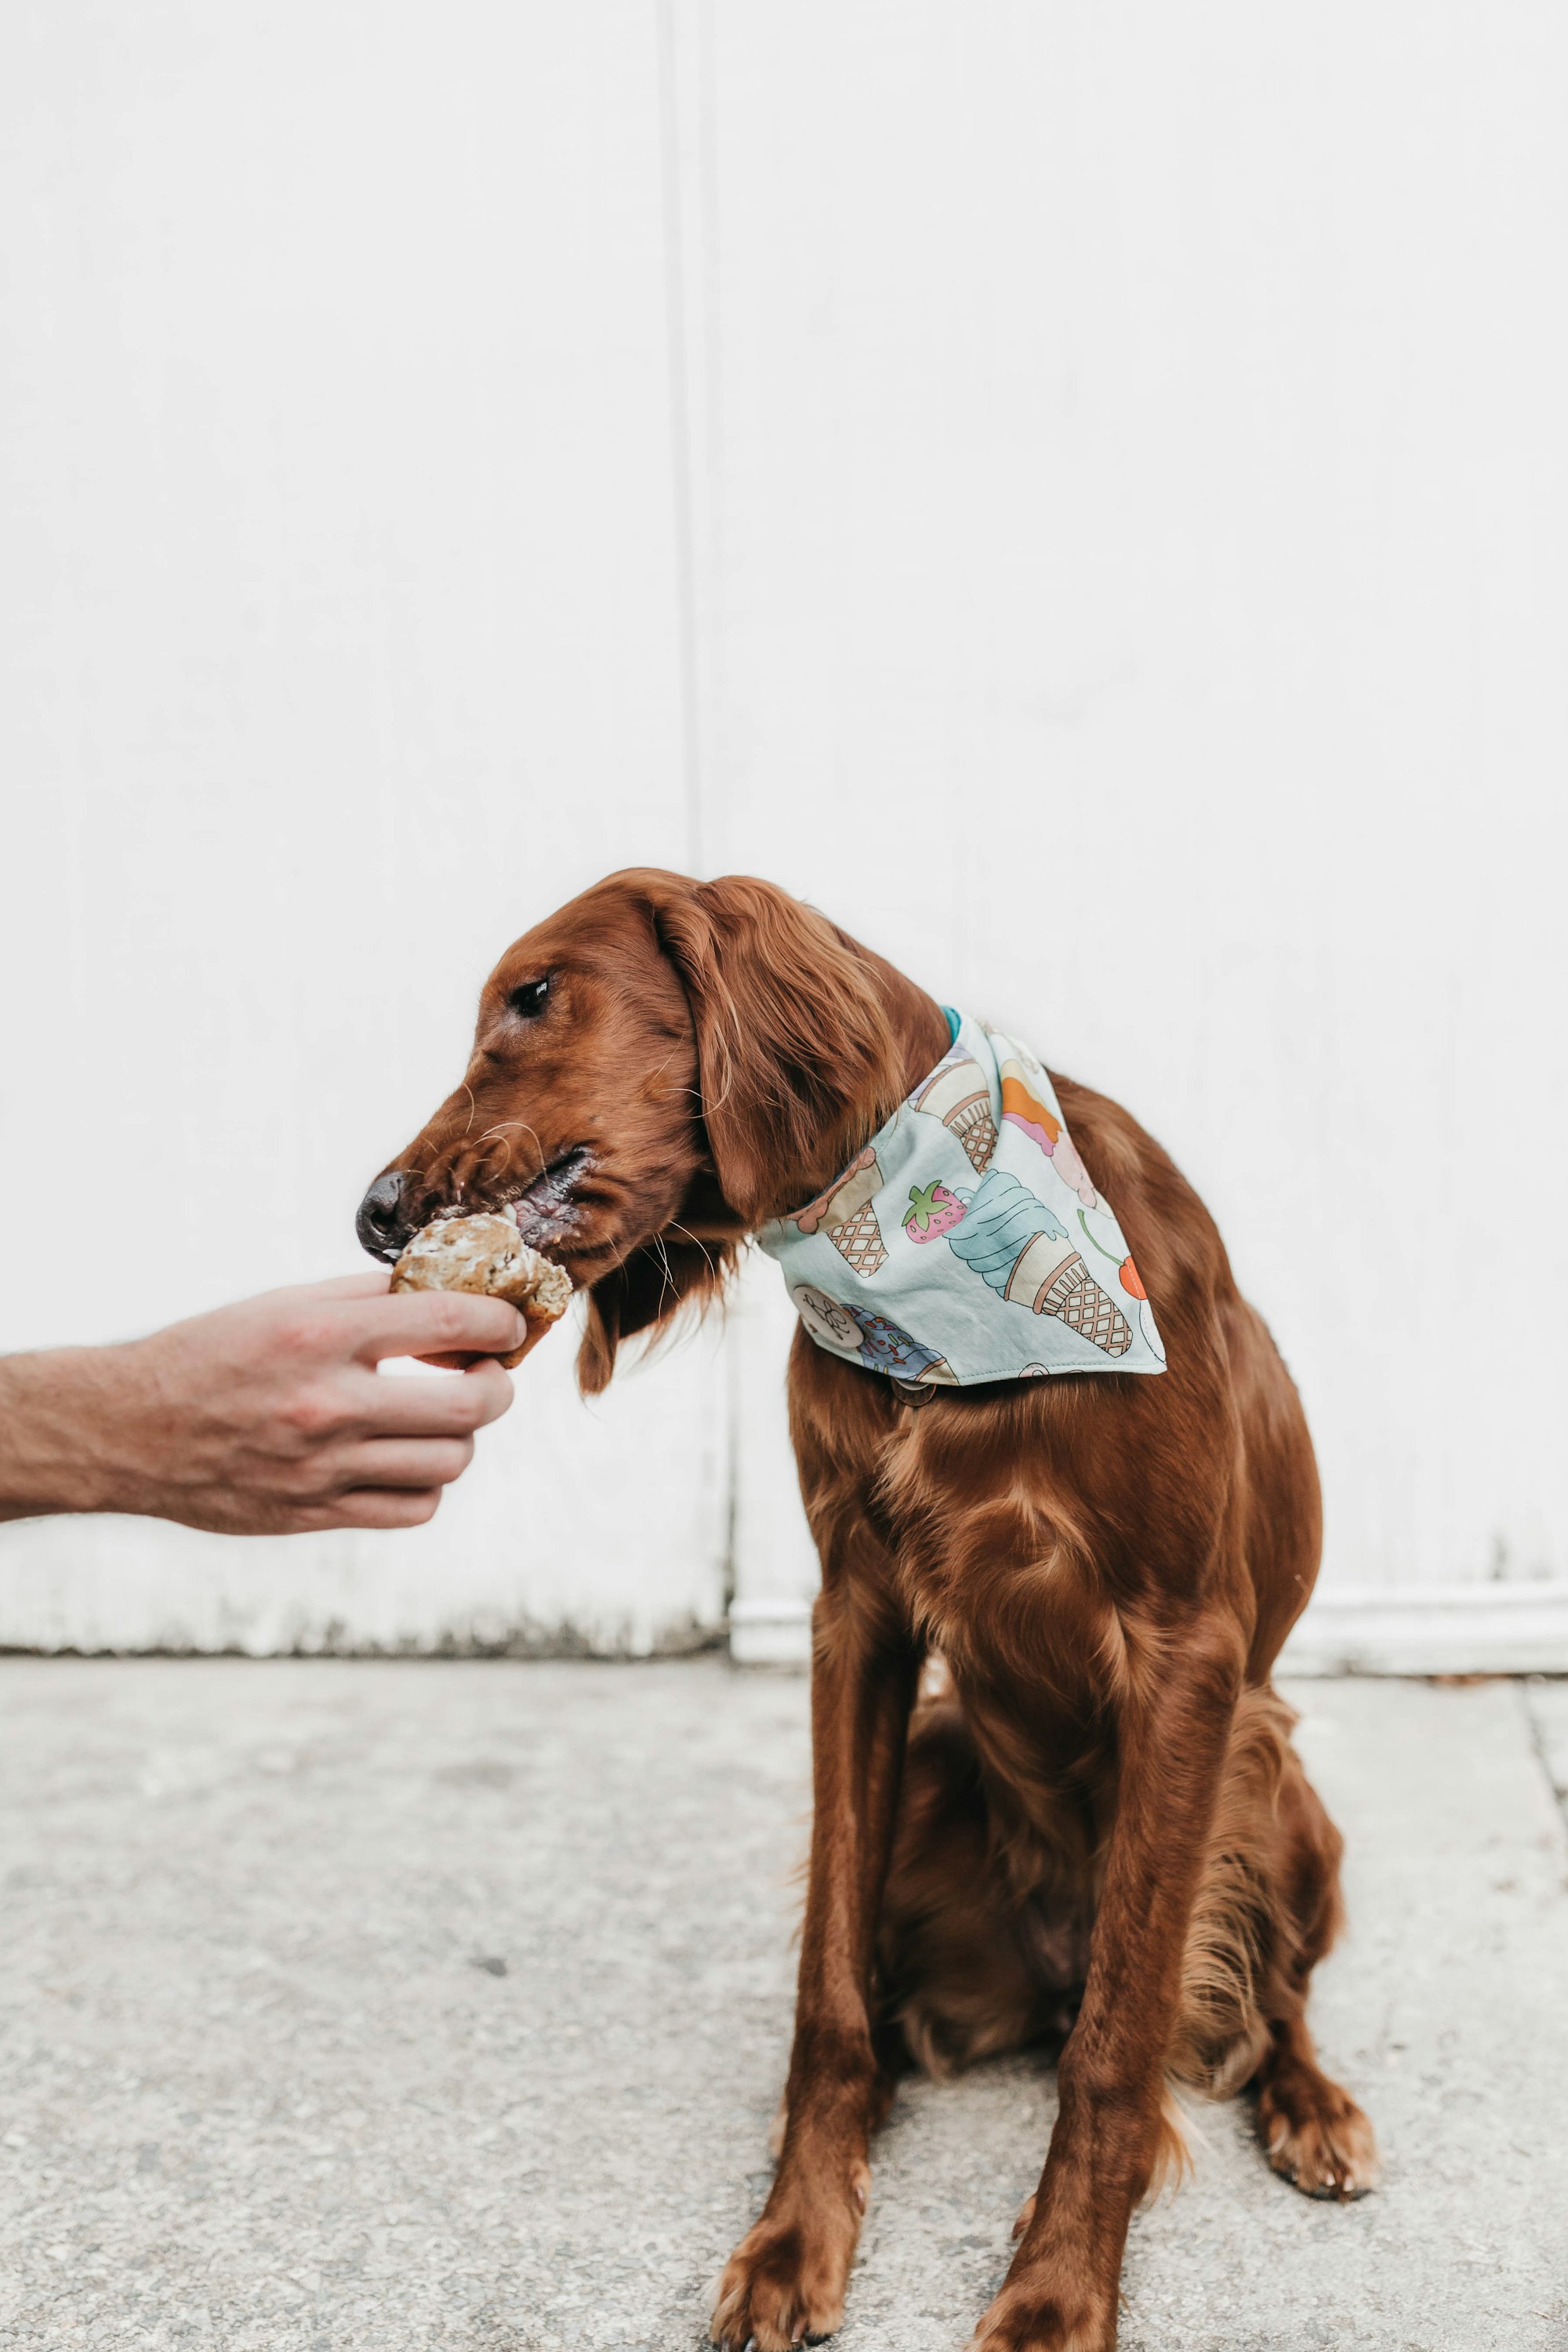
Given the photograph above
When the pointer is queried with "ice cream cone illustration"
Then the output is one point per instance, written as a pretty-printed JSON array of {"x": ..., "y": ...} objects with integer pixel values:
[
  {"x": 957, "y": 1094},
  {"x": 845, "y": 1213},
  {"x": 1002, "y": 1221},
  {"x": 1073, "y": 1294},
  {"x": 1022, "y": 1106},
  {"x": 1022, "y": 1252},
  {"x": 1132, "y": 1284}
]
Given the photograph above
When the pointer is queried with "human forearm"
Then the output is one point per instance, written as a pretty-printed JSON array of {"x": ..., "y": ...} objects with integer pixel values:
[
  {"x": 264, "y": 1418},
  {"x": 58, "y": 1409}
]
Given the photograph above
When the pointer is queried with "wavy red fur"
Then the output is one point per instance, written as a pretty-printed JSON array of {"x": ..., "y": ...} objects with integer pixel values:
[{"x": 1097, "y": 1834}]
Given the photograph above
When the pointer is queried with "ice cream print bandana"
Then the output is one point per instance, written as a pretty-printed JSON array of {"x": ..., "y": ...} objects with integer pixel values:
[{"x": 967, "y": 1242}]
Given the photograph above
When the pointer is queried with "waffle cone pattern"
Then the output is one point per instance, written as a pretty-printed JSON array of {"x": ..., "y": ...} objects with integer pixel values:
[
  {"x": 858, "y": 1241},
  {"x": 1083, "y": 1306},
  {"x": 977, "y": 1130}
]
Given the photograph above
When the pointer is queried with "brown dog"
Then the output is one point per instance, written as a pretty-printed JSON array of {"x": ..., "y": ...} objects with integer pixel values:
[{"x": 1100, "y": 1828}]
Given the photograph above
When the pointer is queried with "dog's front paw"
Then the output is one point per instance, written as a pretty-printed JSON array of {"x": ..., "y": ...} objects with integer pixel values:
[
  {"x": 784, "y": 2282},
  {"x": 1035, "y": 2314}
]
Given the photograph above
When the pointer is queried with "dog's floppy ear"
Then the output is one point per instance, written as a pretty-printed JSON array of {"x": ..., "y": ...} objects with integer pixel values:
[{"x": 797, "y": 1059}]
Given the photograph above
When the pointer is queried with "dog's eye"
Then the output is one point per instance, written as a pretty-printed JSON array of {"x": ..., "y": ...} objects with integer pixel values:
[{"x": 528, "y": 1002}]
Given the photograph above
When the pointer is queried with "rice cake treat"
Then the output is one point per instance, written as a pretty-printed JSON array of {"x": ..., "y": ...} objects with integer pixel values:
[{"x": 487, "y": 1254}]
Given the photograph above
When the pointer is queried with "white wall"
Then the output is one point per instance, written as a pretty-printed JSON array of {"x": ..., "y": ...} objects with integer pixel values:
[
  {"x": 343, "y": 625},
  {"x": 902, "y": 451}
]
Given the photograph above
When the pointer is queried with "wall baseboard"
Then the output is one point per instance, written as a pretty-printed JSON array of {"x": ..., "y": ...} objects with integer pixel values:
[
  {"x": 770, "y": 1632},
  {"x": 1453, "y": 1629}
]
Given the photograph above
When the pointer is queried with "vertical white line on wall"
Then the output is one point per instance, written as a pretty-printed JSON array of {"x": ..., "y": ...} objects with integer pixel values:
[
  {"x": 708, "y": 504},
  {"x": 688, "y": 139},
  {"x": 675, "y": 277},
  {"x": 689, "y": 158}
]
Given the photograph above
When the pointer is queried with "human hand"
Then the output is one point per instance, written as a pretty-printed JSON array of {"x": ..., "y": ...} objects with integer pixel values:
[{"x": 265, "y": 1418}]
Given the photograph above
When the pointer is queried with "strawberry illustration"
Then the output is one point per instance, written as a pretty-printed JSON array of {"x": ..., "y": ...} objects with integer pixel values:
[{"x": 933, "y": 1211}]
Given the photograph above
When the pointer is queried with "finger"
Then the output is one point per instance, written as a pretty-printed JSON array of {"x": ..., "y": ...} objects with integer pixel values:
[
  {"x": 376, "y": 1506},
  {"x": 401, "y": 1462},
  {"x": 436, "y": 1322},
  {"x": 415, "y": 1407},
  {"x": 510, "y": 1361},
  {"x": 370, "y": 1283}
]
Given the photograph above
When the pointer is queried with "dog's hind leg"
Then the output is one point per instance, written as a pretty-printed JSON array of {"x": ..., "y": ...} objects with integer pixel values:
[
  {"x": 1268, "y": 1909},
  {"x": 1314, "y": 2132},
  {"x": 786, "y": 2278}
]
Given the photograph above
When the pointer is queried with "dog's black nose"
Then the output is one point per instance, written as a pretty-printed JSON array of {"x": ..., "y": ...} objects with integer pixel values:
[{"x": 381, "y": 1225}]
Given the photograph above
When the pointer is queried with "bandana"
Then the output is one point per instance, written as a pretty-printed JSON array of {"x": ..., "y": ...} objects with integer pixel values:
[{"x": 967, "y": 1242}]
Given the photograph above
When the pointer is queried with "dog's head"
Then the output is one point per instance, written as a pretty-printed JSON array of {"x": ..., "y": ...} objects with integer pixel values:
[{"x": 657, "y": 1069}]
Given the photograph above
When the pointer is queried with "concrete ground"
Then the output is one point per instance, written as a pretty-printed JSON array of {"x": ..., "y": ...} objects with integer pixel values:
[{"x": 352, "y": 2005}]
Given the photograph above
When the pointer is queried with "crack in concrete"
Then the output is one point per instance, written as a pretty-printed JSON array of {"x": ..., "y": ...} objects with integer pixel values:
[{"x": 1536, "y": 1734}]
